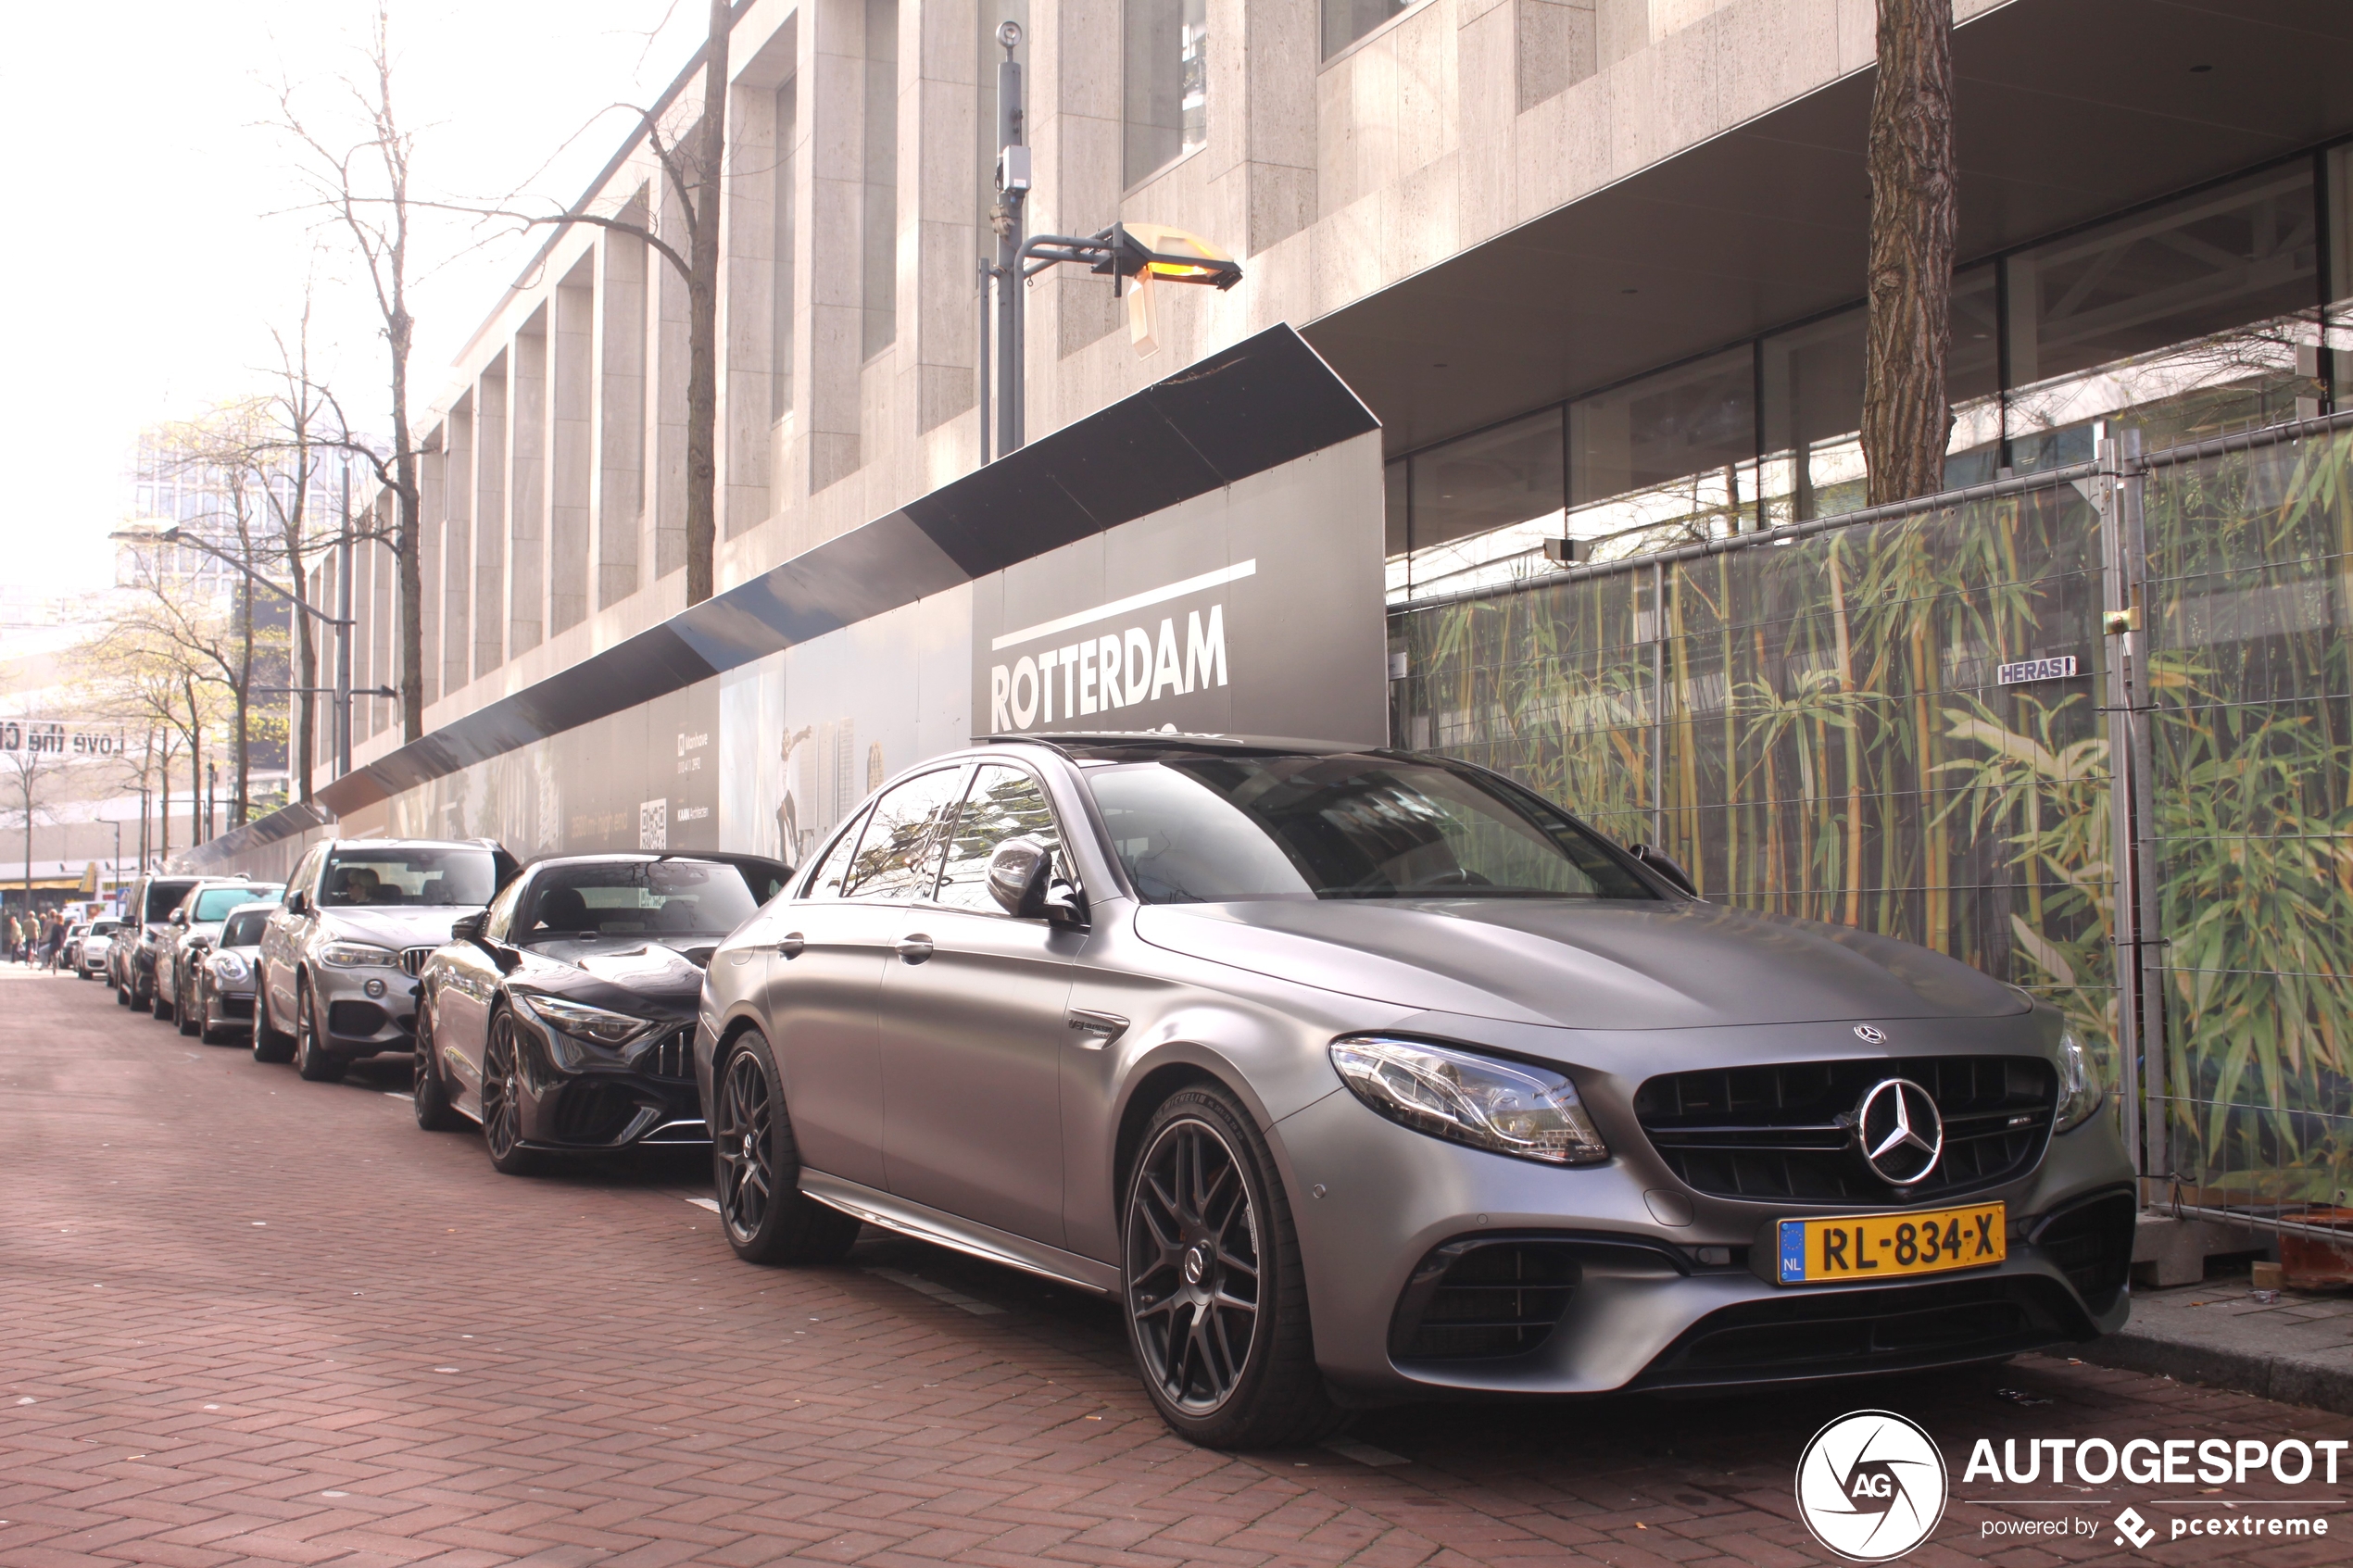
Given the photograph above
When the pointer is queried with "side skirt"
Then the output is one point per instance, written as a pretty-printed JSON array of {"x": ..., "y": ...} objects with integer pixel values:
[{"x": 893, "y": 1214}]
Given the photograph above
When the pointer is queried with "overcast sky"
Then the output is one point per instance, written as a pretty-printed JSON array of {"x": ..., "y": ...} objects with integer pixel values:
[{"x": 144, "y": 268}]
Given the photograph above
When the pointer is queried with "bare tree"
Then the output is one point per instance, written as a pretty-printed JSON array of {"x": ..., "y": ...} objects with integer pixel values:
[
  {"x": 1907, "y": 420},
  {"x": 362, "y": 186},
  {"x": 170, "y": 659},
  {"x": 301, "y": 444}
]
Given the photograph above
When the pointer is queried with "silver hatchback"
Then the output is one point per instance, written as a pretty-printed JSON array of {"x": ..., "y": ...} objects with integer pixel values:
[{"x": 1355, "y": 1076}]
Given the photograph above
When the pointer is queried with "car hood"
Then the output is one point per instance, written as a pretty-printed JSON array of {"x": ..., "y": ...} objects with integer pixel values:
[
  {"x": 620, "y": 971},
  {"x": 426, "y": 925},
  {"x": 1582, "y": 964}
]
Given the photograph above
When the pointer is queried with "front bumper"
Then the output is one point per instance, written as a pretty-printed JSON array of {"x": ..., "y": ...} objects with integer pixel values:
[
  {"x": 1610, "y": 1298},
  {"x": 228, "y": 1006},
  {"x": 581, "y": 1098},
  {"x": 358, "y": 1024}
]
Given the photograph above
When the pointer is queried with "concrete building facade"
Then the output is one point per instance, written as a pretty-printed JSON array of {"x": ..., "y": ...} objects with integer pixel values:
[{"x": 1593, "y": 263}]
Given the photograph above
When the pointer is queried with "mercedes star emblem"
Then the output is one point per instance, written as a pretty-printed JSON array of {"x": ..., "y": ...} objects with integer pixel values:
[
  {"x": 1870, "y": 1036},
  {"x": 1900, "y": 1131}
]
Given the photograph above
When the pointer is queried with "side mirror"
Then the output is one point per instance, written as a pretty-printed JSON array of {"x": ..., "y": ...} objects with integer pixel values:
[
  {"x": 468, "y": 928},
  {"x": 1659, "y": 862},
  {"x": 1017, "y": 877},
  {"x": 180, "y": 918},
  {"x": 295, "y": 901}
]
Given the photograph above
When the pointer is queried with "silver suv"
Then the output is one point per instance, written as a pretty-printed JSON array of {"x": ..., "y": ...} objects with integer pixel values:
[{"x": 339, "y": 959}]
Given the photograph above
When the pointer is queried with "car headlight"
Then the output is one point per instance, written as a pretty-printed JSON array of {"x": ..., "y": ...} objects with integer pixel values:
[
  {"x": 2081, "y": 1091},
  {"x": 228, "y": 966},
  {"x": 1505, "y": 1107},
  {"x": 604, "y": 1027},
  {"x": 358, "y": 955}
]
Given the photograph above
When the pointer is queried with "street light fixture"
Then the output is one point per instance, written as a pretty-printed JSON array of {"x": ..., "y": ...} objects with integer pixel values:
[{"x": 1146, "y": 252}]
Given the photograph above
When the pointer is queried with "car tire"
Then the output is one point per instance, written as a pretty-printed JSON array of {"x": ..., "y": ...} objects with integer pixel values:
[
  {"x": 313, "y": 1062},
  {"x": 156, "y": 1007},
  {"x": 122, "y": 995},
  {"x": 1208, "y": 1253},
  {"x": 269, "y": 1043},
  {"x": 502, "y": 1100},
  {"x": 426, "y": 1091},
  {"x": 756, "y": 1169}
]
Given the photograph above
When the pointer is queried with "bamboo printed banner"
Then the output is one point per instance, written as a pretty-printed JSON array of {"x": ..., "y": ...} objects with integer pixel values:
[
  {"x": 2251, "y": 839},
  {"x": 1820, "y": 729}
]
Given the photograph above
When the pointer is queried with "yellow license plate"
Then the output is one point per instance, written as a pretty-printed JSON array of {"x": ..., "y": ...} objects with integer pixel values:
[{"x": 1853, "y": 1248}]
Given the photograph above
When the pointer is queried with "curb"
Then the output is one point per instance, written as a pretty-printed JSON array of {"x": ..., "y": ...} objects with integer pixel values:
[{"x": 2292, "y": 1380}]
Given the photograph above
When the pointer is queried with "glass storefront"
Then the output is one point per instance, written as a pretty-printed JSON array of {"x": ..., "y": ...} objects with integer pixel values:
[{"x": 2195, "y": 316}]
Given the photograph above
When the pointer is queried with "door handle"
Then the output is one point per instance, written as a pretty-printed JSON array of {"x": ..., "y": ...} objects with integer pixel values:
[
  {"x": 792, "y": 945},
  {"x": 914, "y": 948}
]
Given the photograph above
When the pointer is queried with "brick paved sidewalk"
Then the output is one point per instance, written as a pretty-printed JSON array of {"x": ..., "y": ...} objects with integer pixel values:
[{"x": 253, "y": 1320}]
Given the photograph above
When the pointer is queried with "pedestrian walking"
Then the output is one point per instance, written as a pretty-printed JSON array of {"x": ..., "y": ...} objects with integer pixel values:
[
  {"x": 56, "y": 939},
  {"x": 15, "y": 935}
]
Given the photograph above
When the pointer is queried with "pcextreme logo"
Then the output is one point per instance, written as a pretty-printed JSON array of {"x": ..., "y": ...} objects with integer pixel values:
[{"x": 1870, "y": 1485}]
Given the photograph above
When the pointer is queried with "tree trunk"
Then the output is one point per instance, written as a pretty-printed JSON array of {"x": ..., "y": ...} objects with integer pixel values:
[
  {"x": 241, "y": 803},
  {"x": 1906, "y": 420},
  {"x": 409, "y": 538},
  {"x": 702, "y": 318},
  {"x": 305, "y": 674}
]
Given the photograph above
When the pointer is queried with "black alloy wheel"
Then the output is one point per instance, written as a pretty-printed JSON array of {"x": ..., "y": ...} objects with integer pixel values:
[
  {"x": 502, "y": 1100},
  {"x": 270, "y": 1044},
  {"x": 1216, "y": 1304},
  {"x": 313, "y": 1062},
  {"x": 756, "y": 1169},
  {"x": 426, "y": 1091}
]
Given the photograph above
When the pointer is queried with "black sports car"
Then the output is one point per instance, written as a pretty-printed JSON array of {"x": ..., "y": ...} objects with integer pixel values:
[{"x": 560, "y": 1019}]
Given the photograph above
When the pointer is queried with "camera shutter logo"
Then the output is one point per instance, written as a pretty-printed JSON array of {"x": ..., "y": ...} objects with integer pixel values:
[{"x": 1870, "y": 1485}]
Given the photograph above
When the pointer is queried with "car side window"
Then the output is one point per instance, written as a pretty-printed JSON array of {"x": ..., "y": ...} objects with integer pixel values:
[
  {"x": 827, "y": 880},
  {"x": 899, "y": 853},
  {"x": 1004, "y": 802}
]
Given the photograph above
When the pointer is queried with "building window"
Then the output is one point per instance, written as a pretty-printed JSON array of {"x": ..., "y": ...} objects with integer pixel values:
[
  {"x": 1347, "y": 20},
  {"x": 1165, "y": 78},
  {"x": 881, "y": 240}
]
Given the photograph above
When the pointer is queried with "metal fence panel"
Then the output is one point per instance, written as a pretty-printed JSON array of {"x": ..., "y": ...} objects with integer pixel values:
[
  {"x": 2249, "y": 838},
  {"x": 1822, "y": 727}
]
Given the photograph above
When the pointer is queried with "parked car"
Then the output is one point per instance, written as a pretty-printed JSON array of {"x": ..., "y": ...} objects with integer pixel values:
[
  {"x": 89, "y": 949},
  {"x": 69, "y": 950},
  {"x": 131, "y": 961},
  {"x": 340, "y": 958},
  {"x": 191, "y": 931},
  {"x": 1353, "y": 1070},
  {"x": 559, "y": 1019},
  {"x": 220, "y": 984}
]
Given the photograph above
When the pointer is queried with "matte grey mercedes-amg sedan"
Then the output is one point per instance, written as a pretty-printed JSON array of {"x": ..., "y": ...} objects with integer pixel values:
[{"x": 1355, "y": 1076}]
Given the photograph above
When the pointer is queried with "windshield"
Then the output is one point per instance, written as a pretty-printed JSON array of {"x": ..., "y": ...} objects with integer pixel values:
[
  {"x": 244, "y": 930},
  {"x": 214, "y": 903},
  {"x": 101, "y": 927},
  {"x": 369, "y": 875},
  {"x": 656, "y": 899},
  {"x": 1210, "y": 829}
]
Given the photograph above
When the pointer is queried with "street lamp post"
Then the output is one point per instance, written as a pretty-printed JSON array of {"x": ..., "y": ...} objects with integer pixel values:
[{"x": 1141, "y": 251}]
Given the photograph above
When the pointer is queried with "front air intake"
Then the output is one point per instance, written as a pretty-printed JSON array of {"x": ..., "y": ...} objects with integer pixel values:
[{"x": 1483, "y": 1296}]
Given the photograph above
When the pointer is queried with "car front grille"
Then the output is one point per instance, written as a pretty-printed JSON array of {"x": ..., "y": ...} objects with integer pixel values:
[
  {"x": 414, "y": 958},
  {"x": 1784, "y": 1134},
  {"x": 1481, "y": 1296},
  {"x": 667, "y": 1056}
]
